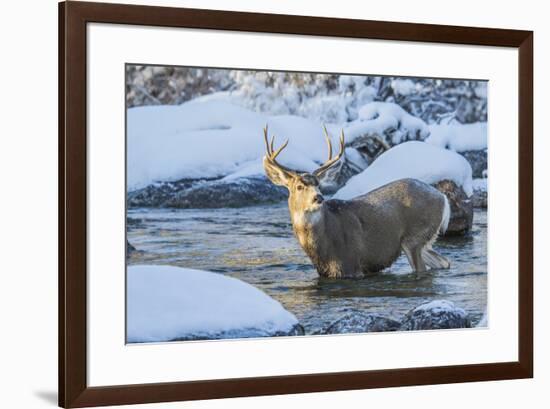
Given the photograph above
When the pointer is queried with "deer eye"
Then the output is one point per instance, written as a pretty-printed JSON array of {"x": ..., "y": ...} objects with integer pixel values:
[{"x": 300, "y": 187}]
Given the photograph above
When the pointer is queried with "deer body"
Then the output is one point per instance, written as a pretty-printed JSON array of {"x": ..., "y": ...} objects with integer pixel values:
[{"x": 352, "y": 238}]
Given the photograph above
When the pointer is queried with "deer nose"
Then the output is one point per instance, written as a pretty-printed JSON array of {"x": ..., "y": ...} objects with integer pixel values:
[{"x": 318, "y": 199}]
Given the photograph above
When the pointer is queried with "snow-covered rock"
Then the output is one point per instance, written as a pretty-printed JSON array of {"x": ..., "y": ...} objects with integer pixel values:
[
  {"x": 446, "y": 170},
  {"x": 418, "y": 160},
  {"x": 208, "y": 194},
  {"x": 459, "y": 137},
  {"x": 211, "y": 139},
  {"x": 386, "y": 122},
  {"x": 478, "y": 162},
  {"x": 437, "y": 314},
  {"x": 480, "y": 193},
  {"x": 470, "y": 140},
  {"x": 166, "y": 303},
  {"x": 357, "y": 322}
]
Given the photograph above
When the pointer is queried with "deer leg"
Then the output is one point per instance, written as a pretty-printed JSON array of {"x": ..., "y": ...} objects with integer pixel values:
[
  {"x": 433, "y": 259},
  {"x": 415, "y": 259},
  {"x": 419, "y": 265}
]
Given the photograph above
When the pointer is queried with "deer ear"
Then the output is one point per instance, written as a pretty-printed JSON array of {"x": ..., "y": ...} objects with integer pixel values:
[{"x": 277, "y": 175}]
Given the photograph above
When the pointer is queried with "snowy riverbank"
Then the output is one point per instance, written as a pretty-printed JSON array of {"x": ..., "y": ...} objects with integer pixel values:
[{"x": 207, "y": 153}]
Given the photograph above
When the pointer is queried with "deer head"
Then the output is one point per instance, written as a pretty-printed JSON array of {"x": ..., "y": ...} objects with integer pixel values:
[{"x": 303, "y": 187}]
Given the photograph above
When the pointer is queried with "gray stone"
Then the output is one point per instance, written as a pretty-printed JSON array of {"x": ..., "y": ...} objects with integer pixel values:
[
  {"x": 208, "y": 194},
  {"x": 337, "y": 176},
  {"x": 462, "y": 208},
  {"x": 438, "y": 314},
  {"x": 479, "y": 198},
  {"x": 296, "y": 330},
  {"x": 357, "y": 322},
  {"x": 477, "y": 160}
]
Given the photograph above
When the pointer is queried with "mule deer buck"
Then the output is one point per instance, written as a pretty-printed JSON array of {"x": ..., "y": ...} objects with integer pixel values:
[{"x": 351, "y": 238}]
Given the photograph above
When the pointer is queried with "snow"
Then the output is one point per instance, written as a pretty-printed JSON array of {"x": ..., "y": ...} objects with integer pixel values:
[
  {"x": 208, "y": 138},
  {"x": 212, "y": 138},
  {"x": 414, "y": 159},
  {"x": 166, "y": 303},
  {"x": 403, "y": 86},
  {"x": 459, "y": 137},
  {"x": 480, "y": 184},
  {"x": 439, "y": 306},
  {"x": 379, "y": 118}
]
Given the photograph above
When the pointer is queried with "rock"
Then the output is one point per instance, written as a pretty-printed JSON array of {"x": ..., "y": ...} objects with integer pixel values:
[
  {"x": 129, "y": 248},
  {"x": 157, "y": 194},
  {"x": 167, "y": 303},
  {"x": 477, "y": 160},
  {"x": 208, "y": 194},
  {"x": 462, "y": 209},
  {"x": 357, "y": 322},
  {"x": 479, "y": 197},
  {"x": 296, "y": 330},
  {"x": 438, "y": 314},
  {"x": 337, "y": 176}
]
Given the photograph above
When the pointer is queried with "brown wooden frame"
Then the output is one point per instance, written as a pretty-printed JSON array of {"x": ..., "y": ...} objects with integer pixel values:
[{"x": 73, "y": 17}]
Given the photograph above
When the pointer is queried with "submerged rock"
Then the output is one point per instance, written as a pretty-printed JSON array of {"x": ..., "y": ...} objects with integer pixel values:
[
  {"x": 462, "y": 208},
  {"x": 129, "y": 248},
  {"x": 438, "y": 314},
  {"x": 357, "y": 322},
  {"x": 296, "y": 330},
  {"x": 209, "y": 194}
]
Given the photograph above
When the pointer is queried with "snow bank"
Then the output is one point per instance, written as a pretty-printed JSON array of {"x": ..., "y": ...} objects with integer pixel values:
[
  {"x": 166, "y": 303},
  {"x": 459, "y": 137},
  {"x": 211, "y": 138},
  {"x": 418, "y": 160}
]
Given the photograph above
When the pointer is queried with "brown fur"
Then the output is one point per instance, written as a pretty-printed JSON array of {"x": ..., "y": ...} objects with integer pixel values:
[{"x": 351, "y": 238}]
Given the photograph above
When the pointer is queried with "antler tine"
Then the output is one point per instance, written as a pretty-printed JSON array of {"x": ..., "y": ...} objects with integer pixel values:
[
  {"x": 272, "y": 143},
  {"x": 266, "y": 141},
  {"x": 325, "y": 166},
  {"x": 327, "y": 137},
  {"x": 272, "y": 153}
]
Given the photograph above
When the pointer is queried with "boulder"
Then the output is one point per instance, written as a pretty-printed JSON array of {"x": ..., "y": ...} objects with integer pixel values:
[
  {"x": 479, "y": 197},
  {"x": 462, "y": 208},
  {"x": 337, "y": 176},
  {"x": 296, "y": 330},
  {"x": 245, "y": 191},
  {"x": 438, "y": 314},
  {"x": 477, "y": 160},
  {"x": 444, "y": 169},
  {"x": 357, "y": 322},
  {"x": 167, "y": 303}
]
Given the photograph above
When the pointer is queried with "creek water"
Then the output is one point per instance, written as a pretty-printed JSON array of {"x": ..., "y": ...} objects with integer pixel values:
[{"x": 257, "y": 245}]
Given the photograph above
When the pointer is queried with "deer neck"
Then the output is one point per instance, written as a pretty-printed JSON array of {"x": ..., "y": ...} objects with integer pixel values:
[{"x": 307, "y": 225}]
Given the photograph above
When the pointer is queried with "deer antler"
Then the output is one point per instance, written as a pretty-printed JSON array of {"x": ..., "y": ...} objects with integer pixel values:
[
  {"x": 271, "y": 154},
  {"x": 330, "y": 161}
]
